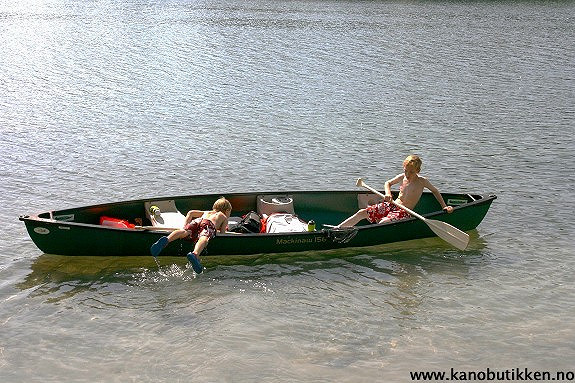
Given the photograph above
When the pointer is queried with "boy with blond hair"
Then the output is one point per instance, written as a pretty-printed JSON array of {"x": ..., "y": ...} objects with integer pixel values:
[
  {"x": 410, "y": 190},
  {"x": 200, "y": 226}
]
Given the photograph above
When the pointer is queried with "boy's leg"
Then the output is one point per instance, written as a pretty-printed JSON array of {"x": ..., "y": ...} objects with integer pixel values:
[
  {"x": 208, "y": 231},
  {"x": 354, "y": 219},
  {"x": 201, "y": 244},
  {"x": 177, "y": 234},
  {"x": 194, "y": 257},
  {"x": 385, "y": 219},
  {"x": 161, "y": 243},
  {"x": 158, "y": 246}
]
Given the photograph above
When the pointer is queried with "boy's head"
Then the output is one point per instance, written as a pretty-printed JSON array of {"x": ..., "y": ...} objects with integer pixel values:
[
  {"x": 414, "y": 161},
  {"x": 222, "y": 205}
]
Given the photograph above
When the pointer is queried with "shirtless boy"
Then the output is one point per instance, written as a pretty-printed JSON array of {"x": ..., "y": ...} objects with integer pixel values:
[
  {"x": 199, "y": 227},
  {"x": 410, "y": 190}
]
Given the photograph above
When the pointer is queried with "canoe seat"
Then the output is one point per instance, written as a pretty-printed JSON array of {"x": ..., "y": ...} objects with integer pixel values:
[
  {"x": 366, "y": 199},
  {"x": 169, "y": 216},
  {"x": 270, "y": 204}
]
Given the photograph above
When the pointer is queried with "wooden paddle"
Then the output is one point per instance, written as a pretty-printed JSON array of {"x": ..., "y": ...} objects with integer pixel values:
[{"x": 443, "y": 230}]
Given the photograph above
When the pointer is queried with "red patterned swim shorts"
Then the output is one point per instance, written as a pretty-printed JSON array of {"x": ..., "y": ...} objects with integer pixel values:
[
  {"x": 200, "y": 228},
  {"x": 376, "y": 213}
]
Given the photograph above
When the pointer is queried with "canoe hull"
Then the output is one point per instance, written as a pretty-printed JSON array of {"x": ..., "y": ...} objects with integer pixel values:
[{"x": 76, "y": 232}]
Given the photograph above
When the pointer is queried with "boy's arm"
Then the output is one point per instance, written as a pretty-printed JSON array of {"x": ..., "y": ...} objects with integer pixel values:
[
  {"x": 193, "y": 214},
  {"x": 222, "y": 221},
  {"x": 224, "y": 225},
  {"x": 438, "y": 196},
  {"x": 388, "y": 184}
]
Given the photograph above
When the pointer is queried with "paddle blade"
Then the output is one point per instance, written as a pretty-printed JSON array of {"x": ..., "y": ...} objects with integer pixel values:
[
  {"x": 359, "y": 182},
  {"x": 449, "y": 233}
]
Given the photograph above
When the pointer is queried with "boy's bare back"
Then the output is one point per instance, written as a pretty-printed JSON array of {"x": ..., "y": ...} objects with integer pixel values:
[{"x": 218, "y": 218}]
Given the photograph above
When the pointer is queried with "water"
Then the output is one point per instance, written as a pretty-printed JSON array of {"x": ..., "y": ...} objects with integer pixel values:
[{"x": 105, "y": 101}]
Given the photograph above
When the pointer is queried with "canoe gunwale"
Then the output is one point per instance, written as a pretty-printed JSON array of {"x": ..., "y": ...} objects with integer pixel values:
[
  {"x": 483, "y": 198},
  {"x": 36, "y": 217}
]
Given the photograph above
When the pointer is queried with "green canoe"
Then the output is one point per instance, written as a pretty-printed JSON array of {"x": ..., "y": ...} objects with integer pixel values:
[{"x": 77, "y": 231}]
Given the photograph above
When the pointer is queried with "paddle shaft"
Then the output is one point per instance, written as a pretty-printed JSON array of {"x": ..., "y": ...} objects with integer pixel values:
[{"x": 155, "y": 228}]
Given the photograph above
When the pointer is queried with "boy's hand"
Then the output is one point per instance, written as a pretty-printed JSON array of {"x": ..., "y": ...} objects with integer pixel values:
[
  {"x": 388, "y": 198},
  {"x": 449, "y": 209}
]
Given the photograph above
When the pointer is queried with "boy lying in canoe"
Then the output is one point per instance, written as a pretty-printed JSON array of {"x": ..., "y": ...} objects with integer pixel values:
[
  {"x": 199, "y": 227},
  {"x": 410, "y": 190}
]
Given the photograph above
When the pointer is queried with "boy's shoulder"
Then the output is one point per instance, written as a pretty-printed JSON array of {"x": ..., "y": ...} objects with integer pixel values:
[
  {"x": 220, "y": 214},
  {"x": 422, "y": 178},
  {"x": 424, "y": 181}
]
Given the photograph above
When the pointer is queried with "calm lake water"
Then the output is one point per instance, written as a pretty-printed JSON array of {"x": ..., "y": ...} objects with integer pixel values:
[{"x": 111, "y": 100}]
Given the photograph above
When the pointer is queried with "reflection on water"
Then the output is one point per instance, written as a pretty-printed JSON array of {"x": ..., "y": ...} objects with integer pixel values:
[
  {"x": 399, "y": 265},
  {"x": 77, "y": 274}
]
